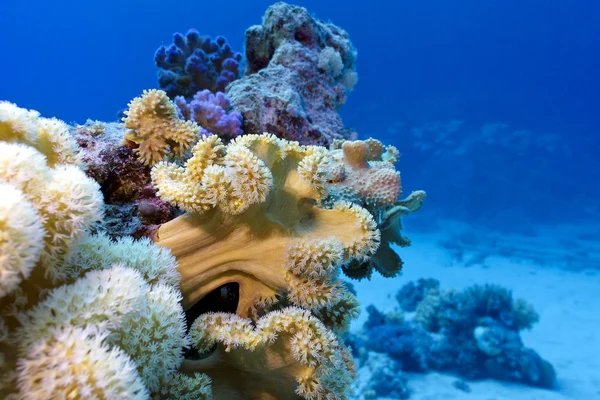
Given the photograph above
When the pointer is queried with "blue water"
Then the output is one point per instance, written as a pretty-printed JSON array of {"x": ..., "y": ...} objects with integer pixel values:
[
  {"x": 494, "y": 105},
  {"x": 529, "y": 64}
]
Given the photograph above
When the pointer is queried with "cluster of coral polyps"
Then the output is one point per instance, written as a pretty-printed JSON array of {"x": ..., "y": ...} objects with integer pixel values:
[{"x": 81, "y": 316}]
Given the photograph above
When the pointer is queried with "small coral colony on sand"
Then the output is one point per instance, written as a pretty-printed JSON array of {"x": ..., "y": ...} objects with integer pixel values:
[{"x": 194, "y": 250}]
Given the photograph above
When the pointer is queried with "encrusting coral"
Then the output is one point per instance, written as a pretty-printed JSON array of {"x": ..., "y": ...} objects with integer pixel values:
[
  {"x": 81, "y": 316},
  {"x": 153, "y": 123}
]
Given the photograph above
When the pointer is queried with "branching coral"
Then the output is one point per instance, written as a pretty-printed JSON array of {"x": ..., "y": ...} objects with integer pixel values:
[
  {"x": 193, "y": 63},
  {"x": 153, "y": 123}
]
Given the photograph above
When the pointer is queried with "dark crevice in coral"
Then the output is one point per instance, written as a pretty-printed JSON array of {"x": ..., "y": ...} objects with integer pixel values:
[{"x": 223, "y": 299}]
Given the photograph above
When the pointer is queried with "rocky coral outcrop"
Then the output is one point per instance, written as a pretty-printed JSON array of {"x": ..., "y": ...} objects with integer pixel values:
[{"x": 299, "y": 70}]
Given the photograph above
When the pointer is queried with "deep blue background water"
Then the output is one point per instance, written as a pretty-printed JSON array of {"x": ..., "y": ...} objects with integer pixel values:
[{"x": 532, "y": 65}]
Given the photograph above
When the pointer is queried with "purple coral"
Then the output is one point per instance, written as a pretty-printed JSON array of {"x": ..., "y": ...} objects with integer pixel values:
[
  {"x": 212, "y": 112},
  {"x": 193, "y": 63}
]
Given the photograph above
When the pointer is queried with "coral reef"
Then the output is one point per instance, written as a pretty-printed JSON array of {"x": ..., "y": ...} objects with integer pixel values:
[
  {"x": 212, "y": 112},
  {"x": 81, "y": 316},
  {"x": 262, "y": 214},
  {"x": 232, "y": 289},
  {"x": 194, "y": 63},
  {"x": 299, "y": 70},
  {"x": 473, "y": 333}
]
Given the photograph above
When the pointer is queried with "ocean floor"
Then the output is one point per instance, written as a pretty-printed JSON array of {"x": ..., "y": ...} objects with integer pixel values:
[{"x": 562, "y": 284}]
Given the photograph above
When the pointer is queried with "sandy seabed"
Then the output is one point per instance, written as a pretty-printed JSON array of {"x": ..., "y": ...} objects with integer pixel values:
[{"x": 567, "y": 299}]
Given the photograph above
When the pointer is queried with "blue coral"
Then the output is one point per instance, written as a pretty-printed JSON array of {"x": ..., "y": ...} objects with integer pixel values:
[
  {"x": 411, "y": 294},
  {"x": 476, "y": 335},
  {"x": 406, "y": 343},
  {"x": 463, "y": 310},
  {"x": 387, "y": 381},
  {"x": 194, "y": 62}
]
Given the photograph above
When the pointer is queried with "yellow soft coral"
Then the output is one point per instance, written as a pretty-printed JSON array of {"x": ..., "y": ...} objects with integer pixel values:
[
  {"x": 254, "y": 200},
  {"x": 284, "y": 354},
  {"x": 152, "y": 122},
  {"x": 256, "y": 218},
  {"x": 231, "y": 178}
]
